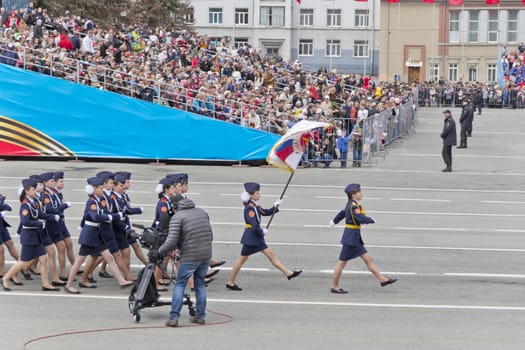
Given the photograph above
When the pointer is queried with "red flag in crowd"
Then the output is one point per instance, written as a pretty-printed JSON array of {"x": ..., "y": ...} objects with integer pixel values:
[
  {"x": 298, "y": 1},
  {"x": 392, "y": 0},
  {"x": 455, "y": 2},
  {"x": 428, "y": 1},
  {"x": 492, "y": 2}
]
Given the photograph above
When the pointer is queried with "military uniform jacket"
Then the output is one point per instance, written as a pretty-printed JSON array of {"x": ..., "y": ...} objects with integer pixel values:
[
  {"x": 31, "y": 228},
  {"x": 4, "y": 224},
  {"x": 253, "y": 234},
  {"x": 106, "y": 227},
  {"x": 94, "y": 216},
  {"x": 53, "y": 205},
  {"x": 164, "y": 208},
  {"x": 129, "y": 209},
  {"x": 355, "y": 216},
  {"x": 119, "y": 206},
  {"x": 449, "y": 134},
  {"x": 467, "y": 115},
  {"x": 61, "y": 223}
]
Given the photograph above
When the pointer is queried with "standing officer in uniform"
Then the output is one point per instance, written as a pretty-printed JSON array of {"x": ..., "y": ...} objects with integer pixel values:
[
  {"x": 253, "y": 237},
  {"x": 353, "y": 245},
  {"x": 467, "y": 116},
  {"x": 449, "y": 137}
]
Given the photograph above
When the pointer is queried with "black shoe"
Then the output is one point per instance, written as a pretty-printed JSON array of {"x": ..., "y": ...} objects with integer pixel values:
[
  {"x": 233, "y": 287},
  {"x": 34, "y": 272},
  {"x": 82, "y": 285},
  {"x": 447, "y": 170},
  {"x": 211, "y": 274},
  {"x": 91, "y": 280},
  {"x": 58, "y": 284},
  {"x": 16, "y": 283},
  {"x": 338, "y": 291},
  {"x": 52, "y": 289},
  {"x": 220, "y": 263},
  {"x": 294, "y": 274},
  {"x": 27, "y": 276},
  {"x": 104, "y": 274},
  {"x": 388, "y": 281},
  {"x": 6, "y": 289},
  {"x": 66, "y": 278}
]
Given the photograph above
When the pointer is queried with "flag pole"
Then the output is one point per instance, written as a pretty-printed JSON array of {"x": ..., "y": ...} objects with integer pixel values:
[{"x": 282, "y": 195}]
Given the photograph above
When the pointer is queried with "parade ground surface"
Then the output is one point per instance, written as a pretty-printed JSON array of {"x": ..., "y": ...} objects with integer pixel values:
[{"x": 455, "y": 242}]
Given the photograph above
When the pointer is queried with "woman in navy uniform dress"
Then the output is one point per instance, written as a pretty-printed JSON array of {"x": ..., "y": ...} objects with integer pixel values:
[
  {"x": 68, "y": 242},
  {"x": 91, "y": 240},
  {"x": 353, "y": 245},
  {"x": 253, "y": 237},
  {"x": 53, "y": 205},
  {"x": 32, "y": 236},
  {"x": 6, "y": 240}
]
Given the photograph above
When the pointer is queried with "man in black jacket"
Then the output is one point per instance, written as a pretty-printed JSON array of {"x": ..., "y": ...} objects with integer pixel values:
[
  {"x": 189, "y": 226},
  {"x": 449, "y": 137},
  {"x": 467, "y": 116}
]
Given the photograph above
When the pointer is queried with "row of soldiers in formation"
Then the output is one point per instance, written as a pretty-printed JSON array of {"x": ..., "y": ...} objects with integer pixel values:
[{"x": 44, "y": 234}]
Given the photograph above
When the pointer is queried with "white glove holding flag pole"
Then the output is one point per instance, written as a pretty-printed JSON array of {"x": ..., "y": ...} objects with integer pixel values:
[
  {"x": 331, "y": 223},
  {"x": 265, "y": 231},
  {"x": 277, "y": 202}
]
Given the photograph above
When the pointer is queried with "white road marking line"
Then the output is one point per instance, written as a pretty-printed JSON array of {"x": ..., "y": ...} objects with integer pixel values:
[
  {"x": 294, "y": 302},
  {"x": 502, "y": 202},
  {"x": 420, "y": 200},
  {"x": 457, "y": 274},
  {"x": 431, "y": 228}
]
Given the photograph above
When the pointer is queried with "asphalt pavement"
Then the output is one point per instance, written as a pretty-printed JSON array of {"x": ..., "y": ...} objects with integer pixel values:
[{"x": 455, "y": 242}]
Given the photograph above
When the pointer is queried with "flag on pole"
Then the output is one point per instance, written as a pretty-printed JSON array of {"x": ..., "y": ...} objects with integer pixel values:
[
  {"x": 288, "y": 151},
  {"x": 455, "y": 2},
  {"x": 429, "y": 1},
  {"x": 492, "y": 2}
]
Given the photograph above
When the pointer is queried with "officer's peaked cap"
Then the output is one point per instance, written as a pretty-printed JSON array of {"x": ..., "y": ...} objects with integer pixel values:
[
  {"x": 251, "y": 187},
  {"x": 352, "y": 188}
]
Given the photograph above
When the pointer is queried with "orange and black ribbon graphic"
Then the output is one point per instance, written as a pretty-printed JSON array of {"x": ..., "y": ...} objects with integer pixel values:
[{"x": 17, "y": 138}]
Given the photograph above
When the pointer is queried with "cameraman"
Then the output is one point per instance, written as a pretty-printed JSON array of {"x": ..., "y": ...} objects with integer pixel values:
[{"x": 191, "y": 227}]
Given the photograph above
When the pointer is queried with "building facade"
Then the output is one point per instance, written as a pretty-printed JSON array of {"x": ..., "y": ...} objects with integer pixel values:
[
  {"x": 336, "y": 34},
  {"x": 428, "y": 42}
]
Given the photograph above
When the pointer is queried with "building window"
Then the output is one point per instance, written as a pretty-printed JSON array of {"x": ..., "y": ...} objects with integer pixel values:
[
  {"x": 241, "y": 16},
  {"x": 306, "y": 17},
  {"x": 215, "y": 15},
  {"x": 493, "y": 27},
  {"x": 361, "y": 48},
  {"x": 433, "y": 73},
  {"x": 453, "y": 72},
  {"x": 453, "y": 27},
  {"x": 473, "y": 26},
  {"x": 306, "y": 47},
  {"x": 272, "y": 16},
  {"x": 361, "y": 18},
  {"x": 240, "y": 42},
  {"x": 512, "y": 25},
  {"x": 272, "y": 51},
  {"x": 333, "y": 17},
  {"x": 333, "y": 48},
  {"x": 491, "y": 71},
  {"x": 472, "y": 72}
]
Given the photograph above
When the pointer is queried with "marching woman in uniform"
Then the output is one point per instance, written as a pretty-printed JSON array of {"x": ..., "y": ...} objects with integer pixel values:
[
  {"x": 353, "y": 246},
  {"x": 32, "y": 236},
  {"x": 91, "y": 241},
  {"x": 253, "y": 236},
  {"x": 6, "y": 240}
]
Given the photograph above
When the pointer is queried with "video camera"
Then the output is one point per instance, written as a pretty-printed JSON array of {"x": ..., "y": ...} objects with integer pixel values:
[{"x": 150, "y": 238}]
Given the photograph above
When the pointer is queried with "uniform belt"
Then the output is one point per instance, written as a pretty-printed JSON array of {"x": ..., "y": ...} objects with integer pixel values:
[
  {"x": 248, "y": 226},
  {"x": 355, "y": 227},
  {"x": 30, "y": 227},
  {"x": 90, "y": 223}
]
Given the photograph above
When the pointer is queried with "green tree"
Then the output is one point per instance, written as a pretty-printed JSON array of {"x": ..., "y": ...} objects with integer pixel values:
[{"x": 111, "y": 13}]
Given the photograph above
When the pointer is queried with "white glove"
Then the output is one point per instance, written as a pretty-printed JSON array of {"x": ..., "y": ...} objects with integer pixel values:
[
  {"x": 43, "y": 225},
  {"x": 277, "y": 202},
  {"x": 9, "y": 207},
  {"x": 110, "y": 218},
  {"x": 57, "y": 217},
  {"x": 1, "y": 214},
  {"x": 68, "y": 204},
  {"x": 265, "y": 231},
  {"x": 331, "y": 223},
  {"x": 374, "y": 220},
  {"x": 120, "y": 214},
  {"x": 141, "y": 210},
  {"x": 79, "y": 229}
]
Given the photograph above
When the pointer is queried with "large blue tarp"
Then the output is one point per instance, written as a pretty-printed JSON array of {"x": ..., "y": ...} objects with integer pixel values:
[{"x": 50, "y": 116}]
